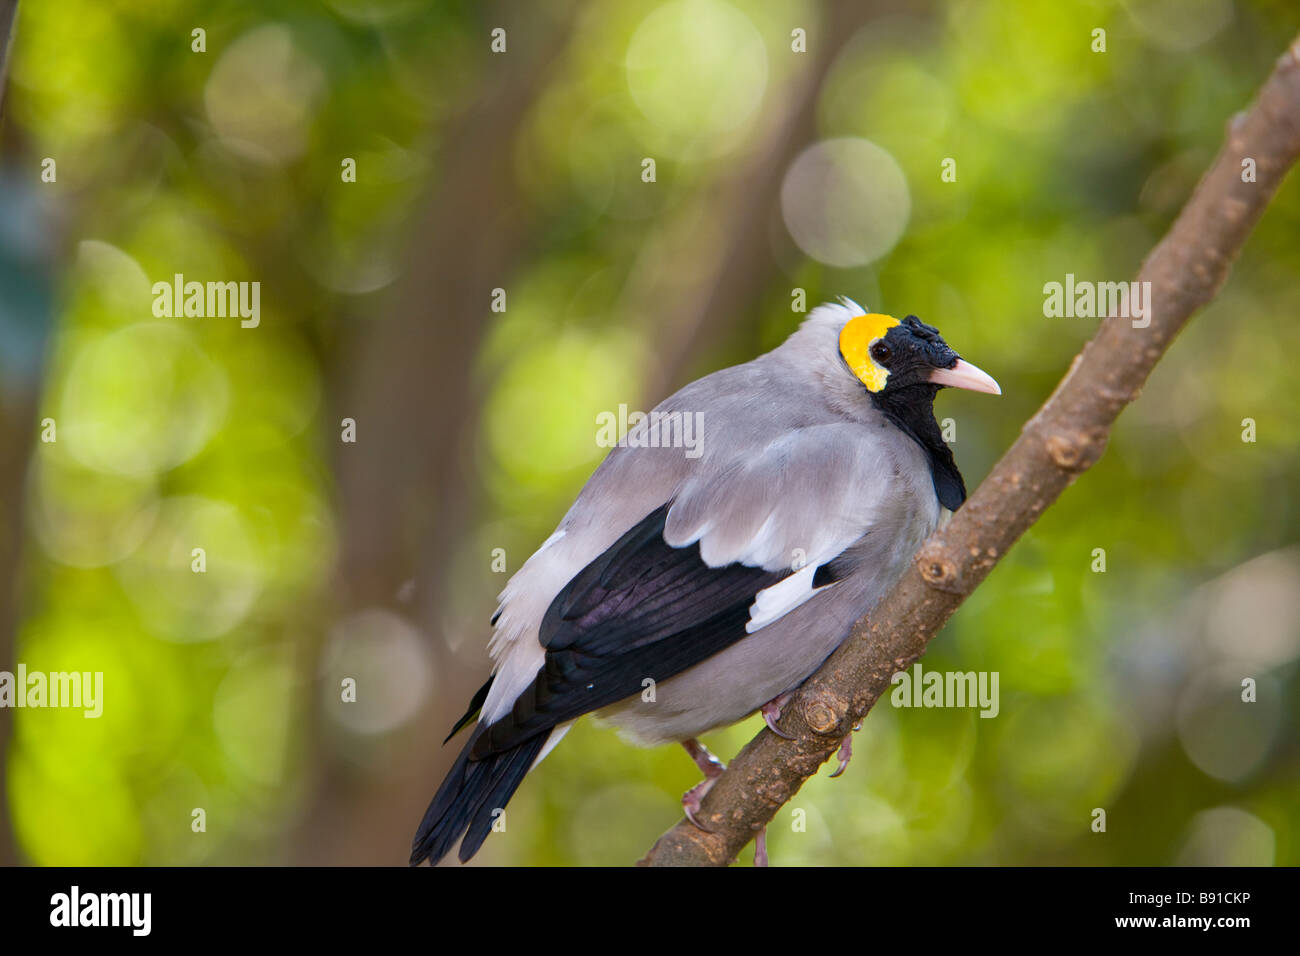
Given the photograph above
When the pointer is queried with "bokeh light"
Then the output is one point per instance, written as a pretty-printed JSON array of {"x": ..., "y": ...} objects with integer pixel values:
[{"x": 845, "y": 202}]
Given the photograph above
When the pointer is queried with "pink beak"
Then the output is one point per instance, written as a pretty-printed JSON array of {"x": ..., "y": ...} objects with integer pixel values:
[{"x": 965, "y": 375}]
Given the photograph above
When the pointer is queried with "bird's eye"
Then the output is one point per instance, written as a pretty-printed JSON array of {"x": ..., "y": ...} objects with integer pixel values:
[{"x": 880, "y": 352}]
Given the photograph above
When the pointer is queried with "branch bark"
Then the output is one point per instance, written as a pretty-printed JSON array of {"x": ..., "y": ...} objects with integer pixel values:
[{"x": 1065, "y": 438}]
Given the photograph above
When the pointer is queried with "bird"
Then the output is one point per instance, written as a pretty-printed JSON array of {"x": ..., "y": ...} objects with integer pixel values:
[{"x": 685, "y": 590}]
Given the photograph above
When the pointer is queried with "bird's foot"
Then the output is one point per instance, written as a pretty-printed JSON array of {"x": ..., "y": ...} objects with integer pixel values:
[
  {"x": 712, "y": 769},
  {"x": 692, "y": 798},
  {"x": 760, "y": 848},
  {"x": 846, "y": 751},
  {"x": 771, "y": 712},
  {"x": 709, "y": 765}
]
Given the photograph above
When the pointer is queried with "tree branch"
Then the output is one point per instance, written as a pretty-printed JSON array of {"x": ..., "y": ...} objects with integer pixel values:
[{"x": 1065, "y": 438}]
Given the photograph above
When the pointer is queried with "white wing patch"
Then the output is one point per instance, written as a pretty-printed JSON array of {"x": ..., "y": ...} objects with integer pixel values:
[{"x": 774, "y": 603}]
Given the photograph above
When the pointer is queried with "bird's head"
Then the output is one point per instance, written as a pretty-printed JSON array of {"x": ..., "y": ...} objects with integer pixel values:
[{"x": 889, "y": 356}]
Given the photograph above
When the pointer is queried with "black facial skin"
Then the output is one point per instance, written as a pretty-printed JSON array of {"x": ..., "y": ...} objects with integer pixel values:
[{"x": 910, "y": 352}]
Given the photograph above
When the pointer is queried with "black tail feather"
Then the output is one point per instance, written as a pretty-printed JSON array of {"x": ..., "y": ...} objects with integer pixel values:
[
  {"x": 475, "y": 706},
  {"x": 468, "y": 796},
  {"x": 520, "y": 760}
]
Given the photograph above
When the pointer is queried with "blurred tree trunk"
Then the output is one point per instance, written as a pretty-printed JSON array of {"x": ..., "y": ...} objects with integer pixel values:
[
  {"x": 406, "y": 380},
  {"x": 17, "y": 408},
  {"x": 8, "y": 17},
  {"x": 701, "y": 317},
  {"x": 17, "y": 411}
]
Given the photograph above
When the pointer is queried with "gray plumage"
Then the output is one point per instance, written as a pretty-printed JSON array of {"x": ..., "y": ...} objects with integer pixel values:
[{"x": 789, "y": 448}]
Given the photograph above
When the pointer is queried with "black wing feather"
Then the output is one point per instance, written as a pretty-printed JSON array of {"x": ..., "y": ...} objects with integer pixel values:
[{"x": 642, "y": 609}]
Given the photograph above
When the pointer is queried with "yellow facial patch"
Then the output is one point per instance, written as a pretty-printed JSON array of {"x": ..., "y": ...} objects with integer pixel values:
[{"x": 856, "y": 340}]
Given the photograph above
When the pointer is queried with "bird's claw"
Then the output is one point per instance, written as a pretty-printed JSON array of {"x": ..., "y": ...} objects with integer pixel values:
[
  {"x": 760, "y": 848},
  {"x": 692, "y": 798},
  {"x": 846, "y": 751},
  {"x": 771, "y": 712},
  {"x": 712, "y": 768}
]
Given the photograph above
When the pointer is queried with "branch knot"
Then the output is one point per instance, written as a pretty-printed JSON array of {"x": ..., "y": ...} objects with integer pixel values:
[
  {"x": 823, "y": 715},
  {"x": 938, "y": 570},
  {"x": 1075, "y": 451}
]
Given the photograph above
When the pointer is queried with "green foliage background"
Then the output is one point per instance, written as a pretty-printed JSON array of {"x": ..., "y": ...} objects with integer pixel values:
[{"x": 1119, "y": 690}]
